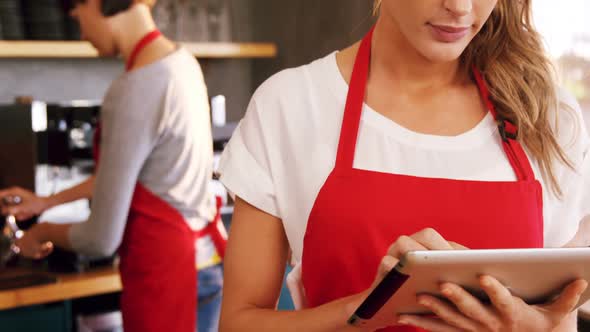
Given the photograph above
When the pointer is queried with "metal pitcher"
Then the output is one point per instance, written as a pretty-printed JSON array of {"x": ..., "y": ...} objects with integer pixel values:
[{"x": 10, "y": 233}]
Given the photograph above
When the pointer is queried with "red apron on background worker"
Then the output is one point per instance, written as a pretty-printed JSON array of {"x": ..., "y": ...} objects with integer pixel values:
[{"x": 150, "y": 196}]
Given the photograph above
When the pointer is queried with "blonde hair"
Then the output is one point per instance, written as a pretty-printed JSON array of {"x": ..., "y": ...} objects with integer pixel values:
[
  {"x": 376, "y": 6},
  {"x": 521, "y": 79}
]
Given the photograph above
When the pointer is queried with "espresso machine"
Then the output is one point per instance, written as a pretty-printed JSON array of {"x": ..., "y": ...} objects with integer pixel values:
[{"x": 47, "y": 148}]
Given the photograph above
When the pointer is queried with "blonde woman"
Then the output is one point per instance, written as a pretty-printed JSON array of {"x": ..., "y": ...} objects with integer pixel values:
[{"x": 444, "y": 124}]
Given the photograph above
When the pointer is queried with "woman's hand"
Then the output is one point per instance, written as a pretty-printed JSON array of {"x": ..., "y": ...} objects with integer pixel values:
[
  {"x": 427, "y": 239},
  {"x": 506, "y": 314},
  {"x": 31, "y": 205},
  {"x": 31, "y": 244}
]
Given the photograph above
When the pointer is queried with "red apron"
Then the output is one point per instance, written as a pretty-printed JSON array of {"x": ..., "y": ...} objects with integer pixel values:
[
  {"x": 157, "y": 256},
  {"x": 364, "y": 212}
]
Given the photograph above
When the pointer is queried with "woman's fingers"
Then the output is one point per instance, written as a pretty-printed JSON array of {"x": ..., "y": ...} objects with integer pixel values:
[
  {"x": 387, "y": 264},
  {"x": 427, "y": 239},
  {"x": 432, "y": 240},
  {"x": 29, "y": 247},
  {"x": 458, "y": 246},
  {"x": 403, "y": 245},
  {"x": 46, "y": 249},
  {"x": 469, "y": 305},
  {"x": 449, "y": 313},
  {"x": 568, "y": 299},
  {"x": 499, "y": 295}
]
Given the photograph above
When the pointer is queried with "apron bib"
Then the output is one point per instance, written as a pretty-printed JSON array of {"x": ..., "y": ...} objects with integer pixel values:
[{"x": 361, "y": 213}]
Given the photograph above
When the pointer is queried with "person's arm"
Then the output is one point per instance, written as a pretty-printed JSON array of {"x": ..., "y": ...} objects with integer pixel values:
[
  {"x": 129, "y": 134},
  {"x": 255, "y": 263},
  {"x": 102, "y": 232},
  {"x": 80, "y": 191},
  {"x": 32, "y": 205},
  {"x": 254, "y": 269}
]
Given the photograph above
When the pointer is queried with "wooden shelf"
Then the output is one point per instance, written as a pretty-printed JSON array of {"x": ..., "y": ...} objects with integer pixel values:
[
  {"x": 232, "y": 50},
  {"x": 69, "y": 286},
  {"x": 75, "y": 49}
]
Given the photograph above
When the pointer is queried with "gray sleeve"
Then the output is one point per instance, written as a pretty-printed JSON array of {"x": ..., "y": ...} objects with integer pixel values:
[{"x": 130, "y": 123}]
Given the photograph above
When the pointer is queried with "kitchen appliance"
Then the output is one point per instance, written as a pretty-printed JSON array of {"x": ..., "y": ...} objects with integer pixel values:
[
  {"x": 17, "y": 168},
  {"x": 18, "y": 146},
  {"x": 10, "y": 233},
  {"x": 47, "y": 148}
]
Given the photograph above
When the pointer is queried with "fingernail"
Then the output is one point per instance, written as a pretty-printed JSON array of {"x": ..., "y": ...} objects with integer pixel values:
[
  {"x": 403, "y": 321},
  {"x": 486, "y": 281},
  {"x": 446, "y": 288},
  {"x": 447, "y": 291},
  {"x": 423, "y": 301}
]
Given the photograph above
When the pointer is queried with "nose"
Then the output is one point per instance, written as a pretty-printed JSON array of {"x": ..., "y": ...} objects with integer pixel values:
[{"x": 459, "y": 7}]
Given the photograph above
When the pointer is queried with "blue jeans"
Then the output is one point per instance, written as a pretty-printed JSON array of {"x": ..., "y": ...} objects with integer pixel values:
[{"x": 209, "y": 305}]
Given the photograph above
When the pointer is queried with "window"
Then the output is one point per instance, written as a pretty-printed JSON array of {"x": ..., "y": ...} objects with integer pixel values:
[{"x": 565, "y": 25}]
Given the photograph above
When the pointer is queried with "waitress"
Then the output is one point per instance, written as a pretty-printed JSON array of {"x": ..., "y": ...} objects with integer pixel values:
[
  {"x": 439, "y": 126},
  {"x": 150, "y": 195}
]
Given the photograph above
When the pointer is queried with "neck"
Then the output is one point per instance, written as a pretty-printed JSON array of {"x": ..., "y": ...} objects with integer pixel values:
[
  {"x": 397, "y": 61},
  {"x": 130, "y": 26}
]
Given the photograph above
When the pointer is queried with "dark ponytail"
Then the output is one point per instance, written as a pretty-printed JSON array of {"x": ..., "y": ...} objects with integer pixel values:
[
  {"x": 113, "y": 7},
  {"x": 109, "y": 7}
]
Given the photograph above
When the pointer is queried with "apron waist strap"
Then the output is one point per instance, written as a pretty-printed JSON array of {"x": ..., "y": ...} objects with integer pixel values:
[{"x": 216, "y": 231}]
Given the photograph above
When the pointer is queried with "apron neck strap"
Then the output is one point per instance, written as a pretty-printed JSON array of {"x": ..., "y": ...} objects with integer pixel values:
[
  {"x": 354, "y": 107},
  {"x": 148, "y": 38},
  {"x": 507, "y": 129},
  {"x": 508, "y": 132},
  {"x": 143, "y": 42},
  {"x": 354, "y": 104}
]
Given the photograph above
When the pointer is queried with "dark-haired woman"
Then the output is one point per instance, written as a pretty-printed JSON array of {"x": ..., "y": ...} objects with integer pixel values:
[{"x": 150, "y": 197}]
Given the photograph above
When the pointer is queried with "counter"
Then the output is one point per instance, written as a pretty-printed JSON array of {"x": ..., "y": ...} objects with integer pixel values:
[{"x": 68, "y": 286}]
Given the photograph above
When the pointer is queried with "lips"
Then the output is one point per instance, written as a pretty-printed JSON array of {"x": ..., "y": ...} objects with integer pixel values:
[{"x": 448, "y": 34}]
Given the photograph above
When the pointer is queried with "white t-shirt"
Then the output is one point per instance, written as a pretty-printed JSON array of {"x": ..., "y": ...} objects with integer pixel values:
[{"x": 285, "y": 148}]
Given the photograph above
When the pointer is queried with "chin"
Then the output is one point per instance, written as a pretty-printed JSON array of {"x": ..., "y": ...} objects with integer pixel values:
[{"x": 443, "y": 53}]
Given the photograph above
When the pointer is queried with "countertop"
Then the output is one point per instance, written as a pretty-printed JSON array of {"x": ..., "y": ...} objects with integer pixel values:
[{"x": 68, "y": 286}]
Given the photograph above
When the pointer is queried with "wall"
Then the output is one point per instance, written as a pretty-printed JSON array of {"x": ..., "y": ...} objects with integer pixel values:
[
  {"x": 307, "y": 29},
  {"x": 303, "y": 29},
  {"x": 56, "y": 80}
]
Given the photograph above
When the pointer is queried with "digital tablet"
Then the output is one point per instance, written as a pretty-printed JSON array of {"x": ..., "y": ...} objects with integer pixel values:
[{"x": 535, "y": 275}]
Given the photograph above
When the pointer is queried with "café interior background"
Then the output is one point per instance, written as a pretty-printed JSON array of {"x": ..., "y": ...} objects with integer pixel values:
[{"x": 301, "y": 30}]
